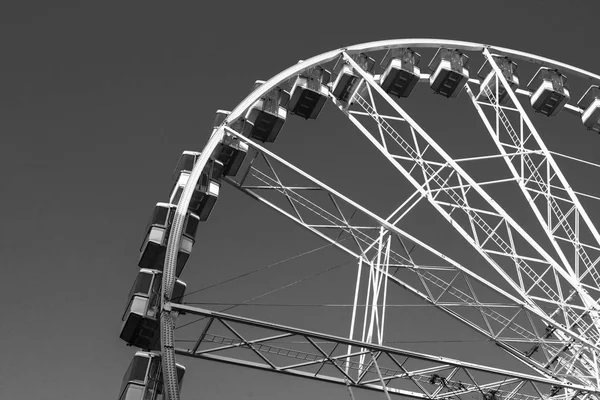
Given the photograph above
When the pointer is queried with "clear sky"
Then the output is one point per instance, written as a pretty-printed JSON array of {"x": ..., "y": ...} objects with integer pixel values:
[{"x": 97, "y": 101}]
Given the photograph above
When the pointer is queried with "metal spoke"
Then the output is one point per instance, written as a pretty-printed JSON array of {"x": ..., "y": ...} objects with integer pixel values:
[
  {"x": 543, "y": 311},
  {"x": 482, "y": 224},
  {"x": 434, "y": 286}
]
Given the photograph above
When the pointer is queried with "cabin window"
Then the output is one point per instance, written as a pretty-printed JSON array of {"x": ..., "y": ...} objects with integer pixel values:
[
  {"x": 220, "y": 116},
  {"x": 283, "y": 97},
  {"x": 154, "y": 300},
  {"x": 558, "y": 83},
  {"x": 180, "y": 373},
  {"x": 191, "y": 226},
  {"x": 154, "y": 372},
  {"x": 455, "y": 62},
  {"x": 271, "y": 106},
  {"x": 314, "y": 77},
  {"x": 204, "y": 181},
  {"x": 177, "y": 194},
  {"x": 157, "y": 283},
  {"x": 508, "y": 68},
  {"x": 132, "y": 392},
  {"x": 141, "y": 284},
  {"x": 216, "y": 168},
  {"x": 160, "y": 215},
  {"x": 158, "y": 218},
  {"x": 188, "y": 162},
  {"x": 138, "y": 369},
  {"x": 178, "y": 291},
  {"x": 135, "y": 372}
]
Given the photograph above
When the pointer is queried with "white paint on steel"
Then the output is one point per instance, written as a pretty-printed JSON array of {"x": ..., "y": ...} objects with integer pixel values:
[
  {"x": 402, "y": 233},
  {"x": 170, "y": 381},
  {"x": 566, "y": 187}
]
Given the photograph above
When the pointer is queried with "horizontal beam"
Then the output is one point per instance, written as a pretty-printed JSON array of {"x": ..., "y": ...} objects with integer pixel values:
[
  {"x": 435, "y": 281},
  {"x": 394, "y": 352},
  {"x": 303, "y": 374}
]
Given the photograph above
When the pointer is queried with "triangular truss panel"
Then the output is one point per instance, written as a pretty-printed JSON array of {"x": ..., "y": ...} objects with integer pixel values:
[
  {"x": 555, "y": 204},
  {"x": 319, "y": 356},
  {"x": 388, "y": 253},
  {"x": 517, "y": 261},
  {"x": 533, "y": 274}
]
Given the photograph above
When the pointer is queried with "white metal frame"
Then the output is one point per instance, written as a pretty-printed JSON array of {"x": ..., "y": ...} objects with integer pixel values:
[
  {"x": 551, "y": 186},
  {"x": 367, "y": 240},
  {"x": 586, "y": 340},
  {"x": 372, "y": 367}
]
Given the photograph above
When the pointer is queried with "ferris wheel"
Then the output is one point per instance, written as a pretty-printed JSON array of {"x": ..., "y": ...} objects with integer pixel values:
[{"x": 528, "y": 281}]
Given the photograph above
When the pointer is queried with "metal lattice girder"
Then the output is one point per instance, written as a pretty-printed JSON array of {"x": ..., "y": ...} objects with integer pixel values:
[
  {"x": 539, "y": 280},
  {"x": 437, "y": 279},
  {"x": 170, "y": 382},
  {"x": 376, "y": 293},
  {"x": 551, "y": 199},
  {"x": 248, "y": 342},
  {"x": 545, "y": 187}
]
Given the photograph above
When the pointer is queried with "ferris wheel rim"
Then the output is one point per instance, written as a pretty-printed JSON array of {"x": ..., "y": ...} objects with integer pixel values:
[
  {"x": 301, "y": 66},
  {"x": 255, "y": 95}
]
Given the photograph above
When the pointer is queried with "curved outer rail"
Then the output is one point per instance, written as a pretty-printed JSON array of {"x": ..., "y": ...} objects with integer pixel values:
[
  {"x": 167, "y": 324},
  {"x": 397, "y": 43}
]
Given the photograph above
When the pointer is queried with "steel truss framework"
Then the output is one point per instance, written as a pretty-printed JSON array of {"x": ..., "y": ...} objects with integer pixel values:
[
  {"x": 539, "y": 280},
  {"x": 553, "y": 201},
  {"x": 247, "y": 342},
  {"x": 504, "y": 318},
  {"x": 544, "y": 311}
]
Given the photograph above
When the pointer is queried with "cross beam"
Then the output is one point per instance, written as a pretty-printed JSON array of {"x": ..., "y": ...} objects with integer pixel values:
[{"x": 319, "y": 356}]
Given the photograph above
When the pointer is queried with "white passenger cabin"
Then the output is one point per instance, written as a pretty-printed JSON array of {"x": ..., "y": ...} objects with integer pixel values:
[
  {"x": 488, "y": 88},
  {"x": 401, "y": 73},
  {"x": 144, "y": 380},
  {"x": 206, "y": 191},
  {"x": 449, "y": 72},
  {"x": 550, "y": 91},
  {"x": 347, "y": 82},
  {"x": 220, "y": 116},
  {"x": 141, "y": 320},
  {"x": 309, "y": 93},
  {"x": 231, "y": 151},
  {"x": 590, "y": 103},
  {"x": 268, "y": 114},
  {"x": 240, "y": 125},
  {"x": 154, "y": 247}
]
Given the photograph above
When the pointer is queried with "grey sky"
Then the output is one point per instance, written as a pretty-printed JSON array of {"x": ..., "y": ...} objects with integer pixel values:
[{"x": 97, "y": 101}]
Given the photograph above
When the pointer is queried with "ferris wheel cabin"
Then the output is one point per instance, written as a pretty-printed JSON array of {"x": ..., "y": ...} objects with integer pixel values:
[
  {"x": 590, "y": 103},
  {"x": 449, "y": 72},
  {"x": 401, "y": 73},
  {"x": 154, "y": 247},
  {"x": 231, "y": 151},
  {"x": 143, "y": 379},
  {"x": 206, "y": 192},
  {"x": 489, "y": 82},
  {"x": 347, "y": 82},
  {"x": 186, "y": 163},
  {"x": 141, "y": 320},
  {"x": 309, "y": 93},
  {"x": 268, "y": 114},
  {"x": 550, "y": 91}
]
